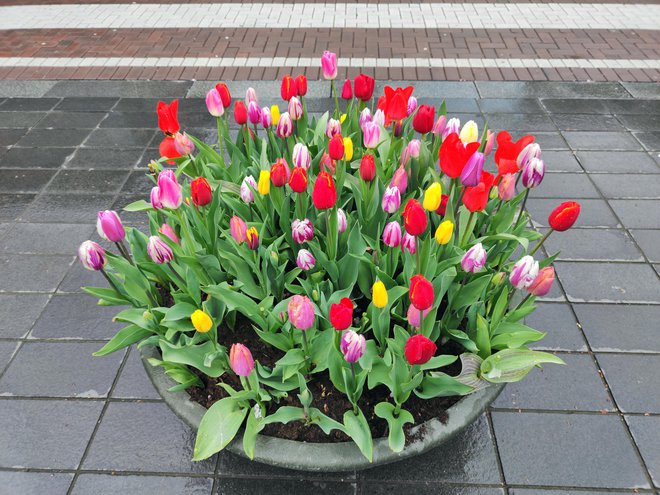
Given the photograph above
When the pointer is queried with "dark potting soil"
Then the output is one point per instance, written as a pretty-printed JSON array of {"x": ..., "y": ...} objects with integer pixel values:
[{"x": 325, "y": 397}]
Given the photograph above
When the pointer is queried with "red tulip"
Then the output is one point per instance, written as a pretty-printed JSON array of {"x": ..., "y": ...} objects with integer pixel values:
[
  {"x": 301, "y": 85},
  {"x": 454, "y": 155},
  {"x": 507, "y": 152},
  {"x": 298, "y": 180},
  {"x": 279, "y": 172},
  {"x": 324, "y": 194},
  {"x": 421, "y": 292},
  {"x": 367, "y": 168},
  {"x": 240, "y": 112},
  {"x": 168, "y": 149},
  {"x": 424, "y": 119},
  {"x": 225, "y": 95},
  {"x": 414, "y": 217},
  {"x": 476, "y": 198},
  {"x": 336, "y": 147},
  {"x": 341, "y": 315},
  {"x": 419, "y": 349},
  {"x": 442, "y": 209},
  {"x": 167, "y": 117},
  {"x": 289, "y": 88},
  {"x": 364, "y": 87},
  {"x": 564, "y": 216},
  {"x": 200, "y": 190},
  {"x": 396, "y": 102},
  {"x": 346, "y": 91}
]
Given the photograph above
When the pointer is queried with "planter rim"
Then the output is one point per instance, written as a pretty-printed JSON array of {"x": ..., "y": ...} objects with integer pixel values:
[{"x": 331, "y": 457}]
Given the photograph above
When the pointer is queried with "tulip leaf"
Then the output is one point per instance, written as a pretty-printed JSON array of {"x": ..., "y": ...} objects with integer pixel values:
[
  {"x": 179, "y": 311},
  {"x": 395, "y": 424},
  {"x": 358, "y": 429},
  {"x": 324, "y": 422},
  {"x": 107, "y": 296},
  {"x": 482, "y": 337},
  {"x": 438, "y": 362},
  {"x": 254, "y": 424},
  {"x": 471, "y": 371},
  {"x": 285, "y": 414},
  {"x": 218, "y": 427},
  {"x": 511, "y": 365},
  {"x": 462, "y": 338},
  {"x": 125, "y": 337},
  {"x": 515, "y": 340},
  {"x": 470, "y": 292},
  {"x": 192, "y": 355},
  {"x": 139, "y": 205},
  {"x": 437, "y": 384}
]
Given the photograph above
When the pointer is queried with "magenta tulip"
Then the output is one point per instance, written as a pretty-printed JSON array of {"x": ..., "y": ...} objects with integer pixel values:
[
  {"x": 353, "y": 346},
  {"x": 109, "y": 226},
  {"x": 301, "y": 312},
  {"x": 92, "y": 256},
  {"x": 158, "y": 250}
]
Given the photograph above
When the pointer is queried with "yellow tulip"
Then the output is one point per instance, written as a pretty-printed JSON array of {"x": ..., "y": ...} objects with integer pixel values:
[
  {"x": 342, "y": 117},
  {"x": 469, "y": 132},
  {"x": 348, "y": 149},
  {"x": 433, "y": 197},
  {"x": 264, "y": 182},
  {"x": 275, "y": 114},
  {"x": 444, "y": 232},
  {"x": 379, "y": 294},
  {"x": 201, "y": 321}
]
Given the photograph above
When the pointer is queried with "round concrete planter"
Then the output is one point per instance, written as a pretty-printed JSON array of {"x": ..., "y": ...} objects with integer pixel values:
[{"x": 343, "y": 456}]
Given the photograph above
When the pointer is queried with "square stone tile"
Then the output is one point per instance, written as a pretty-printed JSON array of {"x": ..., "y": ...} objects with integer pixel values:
[
  {"x": 577, "y": 450},
  {"x": 534, "y": 491},
  {"x": 69, "y": 208},
  {"x": 638, "y": 214},
  {"x": 24, "y": 180},
  {"x": 577, "y": 386},
  {"x": 511, "y": 105},
  {"x": 105, "y": 158},
  {"x": 565, "y": 186},
  {"x": 649, "y": 241},
  {"x": 138, "y": 183},
  {"x": 519, "y": 122},
  {"x": 547, "y": 140},
  {"x": 121, "y": 138},
  {"x": 561, "y": 161},
  {"x": 148, "y": 105},
  {"x": 646, "y": 433},
  {"x": 587, "y": 122},
  {"x": 86, "y": 104},
  {"x": 49, "y": 434},
  {"x": 633, "y": 106},
  {"x": 18, "y": 312},
  {"x": 593, "y": 212},
  {"x": 87, "y": 181},
  {"x": 76, "y": 316},
  {"x": 620, "y": 327},
  {"x": 13, "y": 205},
  {"x": 131, "y": 120},
  {"x": 574, "y": 106},
  {"x": 628, "y": 186},
  {"x": 78, "y": 276},
  {"x": 53, "y": 138},
  {"x": 608, "y": 282},
  {"x": 32, "y": 273},
  {"x": 617, "y": 161},
  {"x": 96, "y": 89},
  {"x": 14, "y": 482},
  {"x": 9, "y": 137},
  {"x": 548, "y": 89},
  {"x": 640, "y": 122},
  {"x": 60, "y": 369},
  {"x": 46, "y": 238},
  {"x": 468, "y": 458},
  {"x": 242, "y": 486},
  {"x": 133, "y": 218},
  {"x": 428, "y": 488},
  {"x": 592, "y": 140},
  {"x": 7, "y": 350},
  {"x": 13, "y": 88},
  {"x": 633, "y": 380},
  {"x": 35, "y": 157},
  {"x": 642, "y": 89},
  {"x": 144, "y": 437},
  {"x": 113, "y": 484},
  {"x": 593, "y": 245},
  {"x": 558, "y": 321},
  {"x": 133, "y": 382},
  {"x": 9, "y": 120},
  {"x": 650, "y": 140},
  {"x": 28, "y": 104},
  {"x": 71, "y": 120}
]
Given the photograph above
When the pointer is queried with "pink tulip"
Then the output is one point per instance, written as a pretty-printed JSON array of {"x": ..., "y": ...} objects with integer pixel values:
[
  {"x": 412, "y": 105},
  {"x": 453, "y": 127},
  {"x": 238, "y": 229},
  {"x": 301, "y": 312},
  {"x": 169, "y": 190},
  {"x": 109, "y": 226},
  {"x": 411, "y": 150},
  {"x": 329, "y": 65},
  {"x": 214, "y": 103},
  {"x": 251, "y": 96},
  {"x": 524, "y": 272},
  {"x": 158, "y": 251},
  {"x": 408, "y": 243},
  {"x": 305, "y": 260},
  {"x": 392, "y": 234},
  {"x": 353, "y": 346},
  {"x": 342, "y": 222},
  {"x": 371, "y": 132},
  {"x": 168, "y": 232},
  {"x": 285, "y": 126},
  {"x": 266, "y": 118},
  {"x": 414, "y": 315},
  {"x": 365, "y": 116},
  {"x": 254, "y": 113},
  {"x": 183, "y": 144},
  {"x": 301, "y": 156},
  {"x": 248, "y": 186},
  {"x": 295, "y": 108},
  {"x": 543, "y": 282},
  {"x": 379, "y": 117},
  {"x": 155, "y": 198},
  {"x": 475, "y": 259},
  {"x": 439, "y": 125},
  {"x": 400, "y": 180},
  {"x": 391, "y": 200},
  {"x": 490, "y": 141},
  {"x": 302, "y": 230},
  {"x": 92, "y": 256},
  {"x": 506, "y": 189},
  {"x": 332, "y": 128},
  {"x": 240, "y": 360}
]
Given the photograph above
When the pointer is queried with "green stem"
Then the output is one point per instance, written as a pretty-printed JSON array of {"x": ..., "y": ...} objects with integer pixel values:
[
  {"x": 334, "y": 93},
  {"x": 306, "y": 351},
  {"x": 220, "y": 138},
  {"x": 523, "y": 302},
  {"x": 187, "y": 237},
  {"x": 541, "y": 241},
  {"x": 465, "y": 235},
  {"x": 522, "y": 208}
]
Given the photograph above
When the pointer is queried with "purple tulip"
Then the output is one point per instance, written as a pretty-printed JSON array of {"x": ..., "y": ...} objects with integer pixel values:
[
  {"x": 353, "y": 345},
  {"x": 248, "y": 186},
  {"x": 453, "y": 127},
  {"x": 295, "y": 108},
  {"x": 471, "y": 173},
  {"x": 302, "y": 230},
  {"x": 305, "y": 260},
  {"x": 412, "y": 105},
  {"x": 158, "y": 250},
  {"x": 530, "y": 151},
  {"x": 109, "y": 226},
  {"x": 301, "y": 156},
  {"x": 524, "y": 272},
  {"x": 342, "y": 223},
  {"x": 392, "y": 234},
  {"x": 91, "y": 255},
  {"x": 332, "y": 128},
  {"x": 254, "y": 113},
  {"x": 285, "y": 126},
  {"x": 301, "y": 312},
  {"x": 475, "y": 259},
  {"x": 214, "y": 103},
  {"x": 155, "y": 198},
  {"x": 169, "y": 190},
  {"x": 409, "y": 243},
  {"x": 532, "y": 173},
  {"x": 266, "y": 118},
  {"x": 391, "y": 200}
]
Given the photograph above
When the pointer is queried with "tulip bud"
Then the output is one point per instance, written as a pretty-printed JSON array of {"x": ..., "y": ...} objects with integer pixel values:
[
  {"x": 263, "y": 187},
  {"x": 371, "y": 134},
  {"x": 158, "y": 251},
  {"x": 305, "y": 260},
  {"x": 398, "y": 128},
  {"x": 400, "y": 180},
  {"x": 415, "y": 219},
  {"x": 411, "y": 150},
  {"x": 353, "y": 345},
  {"x": 295, "y": 108},
  {"x": 419, "y": 349},
  {"x": 365, "y": 116},
  {"x": 254, "y": 112},
  {"x": 379, "y": 294},
  {"x": 341, "y": 314},
  {"x": 155, "y": 198},
  {"x": 490, "y": 141},
  {"x": 391, "y": 200},
  {"x": 524, "y": 272},
  {"x": 347, "y": 91},
  {"x": 433, "y": 197},
  {"x": 392, "y": 234},
  {"x": 469, "y": 132},
  {"x": 421, "y": 292},
  {"x": 301, "y": 85},
  {"x": 298, "y": 180},
  {"x": 248, "y": 186},
  {"x": 285, "y": 126},
  {"x": 183, "y": 144},
  {"x": 452, "y": 127},
  {"x": 332, "y": 128},
  {"x": 201, "y": 193},
  {"x": 201, "y": 321},
  {"x": 324, "y": 194},
  {"x": 408, "y": 243},
  {"x": 315, "y": 295},
  {"x": 240, "y": 360},
  {"x": 92, "y": 255},
  {"x": 336, "y": 147},
  {"x": 379, "y": 117},
  {"x": 240, "y": 113},
  {"x": 423, "y": 119},
  {"x": 367, "y": 168},
  {"x": 301, "y": 312},
  {"x": 169, "y": 190},
  {"x": 543, "y": 282},
  {"x": 168, "y": 232},
  {"x": 251, "y": 96},
  {"x": 564, "y": 216},
  {"x": 224, "y": 93},
  {"x": 415, "y": 316},
  {"x": 439, "y": 125},
  {"x": 252, "y": 238},
  {"x": 266, "y": 118},
  {"x": 342, "y": 223},
  {"x": 275, "y": 114},
  {"x": 532, "y": 173},
  {"x": 302, "y": 230},
  {"x": 348, "y": 149},
  {"x": 109, "y": 226},
  {"x": 442, "y": 209},
  {"x": 471, "y": 173},
  {"x": 412, "y": 105},
  {"x": 214, "y": 103},
  {"x": 238, "y": 229},
  {"x": 506, "y": 189},
  {"x": 289, "y": 88},
  {"x": 444, "y": 232},
  {"x": 498, "y": 278},
  {"x": 280, "y": 172},
  {"x": 474, "y": 259},
  {"x": 329, "y": 65},
  {"x": 532, "y": 150},
  {"x": 301, "y": 157}
]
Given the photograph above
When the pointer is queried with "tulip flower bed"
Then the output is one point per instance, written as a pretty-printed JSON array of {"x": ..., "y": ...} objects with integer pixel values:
[{"x": 331, "y": 278}]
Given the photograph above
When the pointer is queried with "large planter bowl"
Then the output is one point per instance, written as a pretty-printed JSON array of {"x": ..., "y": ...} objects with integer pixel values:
[{"x": 344, "y": 456}]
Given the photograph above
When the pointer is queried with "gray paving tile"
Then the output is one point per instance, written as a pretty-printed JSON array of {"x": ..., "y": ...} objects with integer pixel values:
[
  {"x": 7, "y": 350},
  {"x": 35, "y": 157},
  {"x": 141, "y": 120},
  {"x": 133, "y": 382},
  {"x": 71, "y": 120},
  {"x": 76, "y": 316},
  {"x": 24, "y": 180},
  {"x": 593, "y": 140},
  {"x": 147, "y": 89},
  {"x": 29, "y": 104},
  {"x": 636, "y": 106},
  {"x": 241, "y": 486},
  {"x": 577, "y": 450},
  {"x": 18, "y": 482},
  {"x": 135, "y": 218},
  {"x": 426, "y": 89},
  {"x": 593, "y": 212},
  {"x": 650, "y": 140},
  {"x": 106, "y": 484},
  {"x": 628, "y": 186},
  {"x": 71, "y": 208},
  {"x": 519, "y": 122},
  {"x": 127, "y": 427},
  {"x": 9, "y": 137},
  {"x": 563, "y": 185},
  {"x": 642, "y": 89},
  {"x": 86, "y": 104},
  {"x": 646, "y": 433},
  {"x": 87, "y": 181},
  {"x": 148, "y": 105},
  {"x": 547, "y": 140},
  {"x": 14, "y": 89},
  {"x": 574, "y": 106},
  {"x": 53, "y": 138},
  {"x": 620, "y": 327},
  {"x": 638, "y": 214},
  {"x": 511, "y": 105},
  {"x": 586, "y": 122},
  {"x": 608, "y": 282},
  {"x": 105, "y": 158},
  {"x": 522, "y": 89},
  {"x": 50, "y": 434},
  {"x": 557, "y": 320},
  {"x": 640, "y": 122},
  {"x": 468, "y": 458},
  {"x": 45, "y": 238},
  {"x": 428, "y": 488},
  {"x": 32, "y": 273},
  {"x": 18, "y": 312},
  {"x": 10, "y": 120},
  {"x": 574, "y": 387},
  {"x": 617, "y": 161},
  {"x": 536, "y": 491},
  {"x": 13, "y": 205},
  {"x": 593, "y": 245},
  {"x": 121, "y": 138},
  {"x": 633, "y": 381},
  {"x": 315, "y": 89},
  {"x": 649, "y": 242},
  {"x": 138, "y": 183},
  {"x": 561, "y": 161},
  {"x": 455, "y": 105},
  {"x": 60, "y": 369},
  {"x": 78, "y": 277}
]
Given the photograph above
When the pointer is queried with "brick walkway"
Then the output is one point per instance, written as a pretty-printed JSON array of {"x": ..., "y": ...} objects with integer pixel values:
[{"x": 74, "y": 424}]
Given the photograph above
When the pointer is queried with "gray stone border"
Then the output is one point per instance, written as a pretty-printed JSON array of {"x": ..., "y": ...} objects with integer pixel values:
[{"x": 322, "y": 457}]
